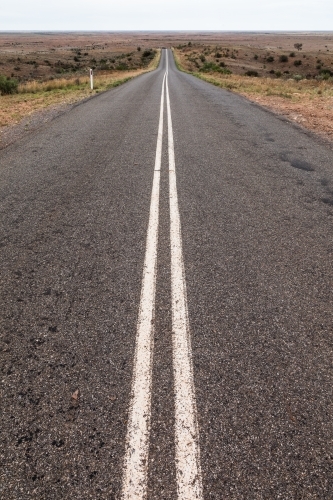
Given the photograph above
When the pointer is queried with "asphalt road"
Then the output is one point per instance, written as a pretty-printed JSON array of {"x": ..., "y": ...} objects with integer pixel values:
[{"x": 255, "y": 204}]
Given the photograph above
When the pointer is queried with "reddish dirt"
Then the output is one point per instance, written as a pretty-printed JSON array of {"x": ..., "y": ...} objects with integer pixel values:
[{"x": 315, "y": 115}]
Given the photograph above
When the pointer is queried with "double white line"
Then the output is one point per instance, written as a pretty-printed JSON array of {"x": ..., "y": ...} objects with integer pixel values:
[{"x": 187, "y": 459}]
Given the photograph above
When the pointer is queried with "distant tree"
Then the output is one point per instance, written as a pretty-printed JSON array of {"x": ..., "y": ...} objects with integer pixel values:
[{"x": 298, "y": 46}]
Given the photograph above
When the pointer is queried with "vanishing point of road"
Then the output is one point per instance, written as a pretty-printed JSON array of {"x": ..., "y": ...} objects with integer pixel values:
[{"x": 167, "y": 300}]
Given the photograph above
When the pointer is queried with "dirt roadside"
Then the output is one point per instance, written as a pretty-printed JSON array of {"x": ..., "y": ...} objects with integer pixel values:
[
  {"x": 313, "y": 114},
  {"x": 307, "y": 102}
]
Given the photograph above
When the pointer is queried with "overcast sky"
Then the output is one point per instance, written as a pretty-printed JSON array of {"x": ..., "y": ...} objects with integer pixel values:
[{"x": 167, "y": 15}]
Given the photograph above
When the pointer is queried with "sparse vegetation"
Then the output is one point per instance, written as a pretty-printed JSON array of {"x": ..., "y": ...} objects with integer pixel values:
[
  {"x": 35, "y": 95},
  {"x": 206, "y": 59}
]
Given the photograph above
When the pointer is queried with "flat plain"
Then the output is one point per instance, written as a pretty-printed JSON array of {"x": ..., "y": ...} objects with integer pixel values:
[{"x": 290, "y": 73}]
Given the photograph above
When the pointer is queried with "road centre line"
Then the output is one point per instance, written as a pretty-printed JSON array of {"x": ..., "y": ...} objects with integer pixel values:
[
  {"x": 189, "y": 480},
  {"x": 137, "y": 441}
]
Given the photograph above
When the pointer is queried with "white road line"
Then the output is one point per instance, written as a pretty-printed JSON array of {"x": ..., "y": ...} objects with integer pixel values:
[
  {"x": 137, "y": 442},
  {"x": 189, "y": 481}
]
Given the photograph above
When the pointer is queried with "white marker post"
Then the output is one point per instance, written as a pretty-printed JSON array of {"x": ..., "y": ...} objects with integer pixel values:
[{"x": 91, "y": 79}]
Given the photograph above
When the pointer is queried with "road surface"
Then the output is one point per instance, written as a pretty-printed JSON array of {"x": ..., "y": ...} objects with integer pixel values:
[{"x": 166, "y": 300}]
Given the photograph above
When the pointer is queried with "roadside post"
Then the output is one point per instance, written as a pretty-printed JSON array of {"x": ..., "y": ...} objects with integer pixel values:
[{"x": 91, "y": 79}]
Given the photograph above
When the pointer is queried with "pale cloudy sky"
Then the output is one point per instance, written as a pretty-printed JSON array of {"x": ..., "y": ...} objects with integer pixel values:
[{"x": 116, "y": 15}]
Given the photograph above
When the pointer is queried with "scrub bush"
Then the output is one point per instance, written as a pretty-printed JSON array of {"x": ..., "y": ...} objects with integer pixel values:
[
  {"x": 8, "y": 85},
  {"x": 251, "y": 72}
]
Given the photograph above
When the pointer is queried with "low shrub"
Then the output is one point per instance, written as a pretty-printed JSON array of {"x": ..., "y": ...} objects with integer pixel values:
[
  {"x": 298, "y": 62},
  {"x": 148, "y": 54},
  {"x": 270, "y": 59},
  {"x": 251, "y": 72},
  {"x": 8, "y": 85},
  {"x": 326, "y": 71},
  {"x": 210, "y": 67},
  {"x": 283, "y": 58},
  {"x": 325, "y": 74},
  {"x": 122, "y": 66}
]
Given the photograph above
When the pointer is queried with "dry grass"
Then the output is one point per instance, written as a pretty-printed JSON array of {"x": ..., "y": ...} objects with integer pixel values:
[
  {"x": 288, "y": 89},
  {"x": 309, "y": 102},
  {"x": 34, "y": 96}
]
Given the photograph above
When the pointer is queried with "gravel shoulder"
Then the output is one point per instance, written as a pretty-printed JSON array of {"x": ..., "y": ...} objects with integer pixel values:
[{"x": 31, "y": 122}]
